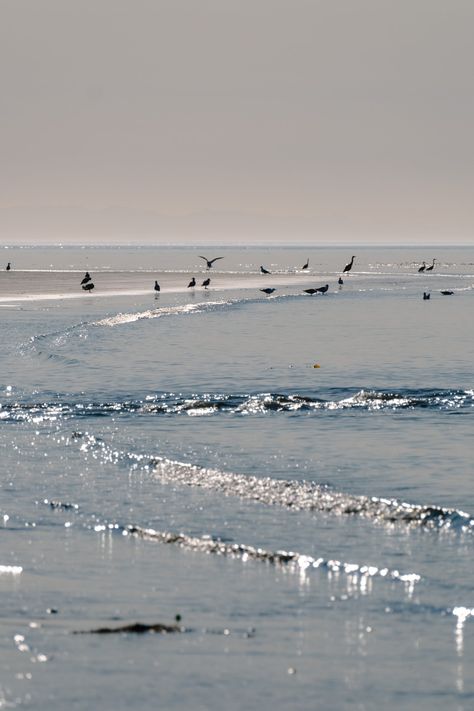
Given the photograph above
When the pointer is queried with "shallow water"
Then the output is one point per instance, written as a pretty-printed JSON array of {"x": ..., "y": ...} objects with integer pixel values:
[{"x": 159, "y": 452}]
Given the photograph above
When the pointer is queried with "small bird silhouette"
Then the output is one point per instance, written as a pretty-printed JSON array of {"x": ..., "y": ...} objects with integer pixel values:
[
  {"x": 210, "y": 262},
  {"x": 348, "y": 267},
  {"x": 8, "y": 267},
  {"x": 431, "y": 267},
  {"x": 268, "y": 290},
  {"x": 447, "y": 292},
  {"x": 87, "y": 277},
  {"x": 264, "y": 271},
  {"x": 192, "y": 283},
  {"x": 310, "y": 291},
  {"x": 323, "y": 289},
  {"x": 340, "y": 281},
  {"x": 157, "y": 286},
  {"x": 88, "y": 287},
  {"x": 422, "y": 268},
  {"x": 306, "y": 265},
  {"x": 426, "y": 295},
  {"x": 206, "y": 283}
]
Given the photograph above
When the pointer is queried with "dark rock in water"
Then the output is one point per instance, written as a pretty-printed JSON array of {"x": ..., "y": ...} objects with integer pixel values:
[
  {"x": 64, "y": 505},
  {"x": 137, "y": 628}
]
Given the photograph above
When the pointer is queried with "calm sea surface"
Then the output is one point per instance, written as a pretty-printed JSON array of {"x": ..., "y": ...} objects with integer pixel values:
[{"x": 182, "y": 455}]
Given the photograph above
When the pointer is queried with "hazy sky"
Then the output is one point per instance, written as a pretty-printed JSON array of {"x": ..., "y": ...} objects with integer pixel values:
[{"x": 243, "y": 120}]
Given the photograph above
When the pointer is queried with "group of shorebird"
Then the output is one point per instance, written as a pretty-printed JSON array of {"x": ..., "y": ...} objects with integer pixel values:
[
  {"x": 317, "y": 290},
  {"x": 424, "y": 268},
  {"x": 88, "y": 285}
]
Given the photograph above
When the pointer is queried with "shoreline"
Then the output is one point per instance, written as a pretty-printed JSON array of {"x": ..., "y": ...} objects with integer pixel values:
[{"x": 30, "y": 286}]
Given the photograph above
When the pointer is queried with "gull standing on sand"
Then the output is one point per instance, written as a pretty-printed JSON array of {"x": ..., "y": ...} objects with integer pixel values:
[
  {"x": 320, "y": 290},
  {"x": 206, "y": 282},
  {"x": 192, "y": 283},
  {"x": 210, "y": 262},
  {"x": 348, "y": 267}
]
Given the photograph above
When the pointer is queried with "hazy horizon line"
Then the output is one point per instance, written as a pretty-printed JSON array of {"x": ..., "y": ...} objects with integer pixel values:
[{"x": 230, "y": 245}]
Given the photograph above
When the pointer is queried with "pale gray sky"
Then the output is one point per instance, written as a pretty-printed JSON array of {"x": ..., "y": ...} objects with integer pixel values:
[{"x": 244, "y": 120}]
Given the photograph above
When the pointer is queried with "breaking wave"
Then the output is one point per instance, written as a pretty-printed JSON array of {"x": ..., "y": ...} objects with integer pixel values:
[
  {"x": 290, "y": 494},
  {"x": 185, "y": 309},
  {"x": 241, "y": 404},
  {"x": 281, "y": 558}
]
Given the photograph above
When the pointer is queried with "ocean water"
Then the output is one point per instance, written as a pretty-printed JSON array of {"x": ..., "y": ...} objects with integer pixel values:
[{"x": 182, "y": 455}]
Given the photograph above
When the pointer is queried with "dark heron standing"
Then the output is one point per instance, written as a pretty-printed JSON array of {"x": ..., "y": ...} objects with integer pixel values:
[
  {"x": 264, "y": 271},
  {"x": 422, "y": 268},
  {"x": 87, "y": 277},
  {"x": 210, "y": 262},
  {"x": 306, "y": 265},
  {"x": 348, "y": 267},
  {"x": 268, "y": 290},
  {"x": 157, "y": 286},
  {"x": 206, "y": 283},
  {"x": 431, "y": 267},
  {"x": 88, "y": 287},
  {"x": 192, "y": 283}
]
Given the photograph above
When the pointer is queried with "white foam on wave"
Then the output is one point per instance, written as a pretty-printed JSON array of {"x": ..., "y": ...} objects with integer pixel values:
[
  {"x": 121, "y": 319},
  {"x": 10, "y": 569},
  {"x": 295, "y": 495},
  {"x": 297, "y": 561},
  {"x": 309, "y": 496}
]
